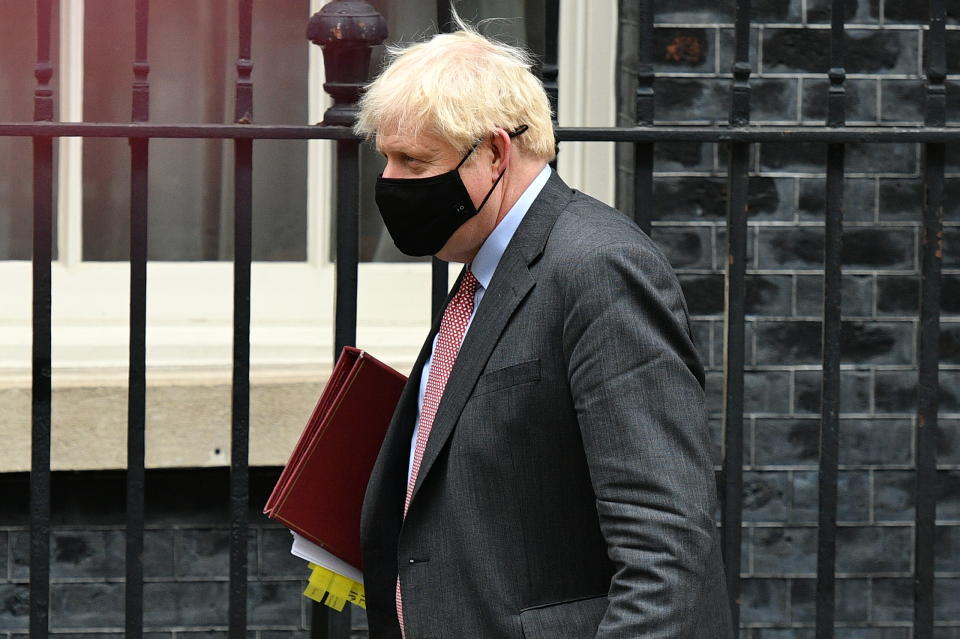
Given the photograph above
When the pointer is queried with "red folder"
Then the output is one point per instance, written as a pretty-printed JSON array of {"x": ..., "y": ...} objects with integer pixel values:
[{"x": 320, "y": 491}]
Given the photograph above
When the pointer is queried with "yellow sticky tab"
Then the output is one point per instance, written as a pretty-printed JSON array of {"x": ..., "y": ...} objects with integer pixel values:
[
  {"x": 322, "y": 578},
  {"x": 335, "y": 602},
  {"x": 357, "y": 595},
  {"x": 318, "y": 583},
  {"x": 314, "y": 593},
  {"x": 326, "y": 586},
  {"x": 340, "y": 586}
]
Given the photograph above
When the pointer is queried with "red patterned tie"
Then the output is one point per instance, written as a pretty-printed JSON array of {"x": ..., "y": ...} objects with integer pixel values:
[{"x": 453, "y": 327}]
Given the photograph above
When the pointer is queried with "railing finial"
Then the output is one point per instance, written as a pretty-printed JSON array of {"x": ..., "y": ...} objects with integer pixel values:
[{"x": 347, "y": 31}]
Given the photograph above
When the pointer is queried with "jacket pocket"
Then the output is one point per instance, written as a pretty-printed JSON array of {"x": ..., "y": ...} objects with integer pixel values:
[
  {"x": 503, "y": 378},
  {"x": 576, "y": 619}
]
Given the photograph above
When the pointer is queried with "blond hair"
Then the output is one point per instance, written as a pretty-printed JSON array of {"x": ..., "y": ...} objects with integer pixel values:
[{"x": 459, "y": 86}]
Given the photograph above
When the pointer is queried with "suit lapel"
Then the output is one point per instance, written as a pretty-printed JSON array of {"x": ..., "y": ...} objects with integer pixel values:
[{"x": 511, "y": 283}]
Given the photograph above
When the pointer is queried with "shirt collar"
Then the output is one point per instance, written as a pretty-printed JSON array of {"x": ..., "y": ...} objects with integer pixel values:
[{"x": 488, "y": 257}]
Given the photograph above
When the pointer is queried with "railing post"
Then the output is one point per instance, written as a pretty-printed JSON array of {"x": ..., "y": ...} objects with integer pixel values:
[
  {"x": 644, "y": 102},
  {"x": 240, "y": 387},
  {"x": 550, "y": 69},
  {"x": 439, "y": 269},
  {"x": 928, "y": 345},
  {"x": 831, "y": 331},
  {"x": 42, "y": 342},
  {"x": 734, "y": 316},
  {"x": 346, "y": 31},
  {"x": 137, "y": 371}
]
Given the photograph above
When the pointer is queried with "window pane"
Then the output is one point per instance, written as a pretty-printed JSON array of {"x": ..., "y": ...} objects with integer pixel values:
[
  {"x": 18, "y": 47},
  {"x": 192, "y": 78},
  {"x": 280, "y": 54}
]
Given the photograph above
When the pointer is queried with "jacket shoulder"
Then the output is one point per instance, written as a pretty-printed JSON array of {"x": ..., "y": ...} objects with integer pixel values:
[{"x": 587, "y": 225}]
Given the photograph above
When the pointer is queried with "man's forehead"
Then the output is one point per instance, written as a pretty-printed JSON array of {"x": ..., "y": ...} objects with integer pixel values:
[{"x": 412, "y": 142}]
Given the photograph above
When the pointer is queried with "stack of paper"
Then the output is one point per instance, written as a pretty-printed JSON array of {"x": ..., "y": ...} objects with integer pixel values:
[{"x": 332, "y": 580}]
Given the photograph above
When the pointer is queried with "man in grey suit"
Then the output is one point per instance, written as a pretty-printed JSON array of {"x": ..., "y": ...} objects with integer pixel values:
[{"x": 547, "y": 471}]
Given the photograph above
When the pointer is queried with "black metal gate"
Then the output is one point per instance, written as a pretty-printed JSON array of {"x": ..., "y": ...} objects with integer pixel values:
[{"x": 347, "y": 53}]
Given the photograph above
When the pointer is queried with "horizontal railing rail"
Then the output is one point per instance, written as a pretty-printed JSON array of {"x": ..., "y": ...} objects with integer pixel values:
[{"x": 657, "y": 133}]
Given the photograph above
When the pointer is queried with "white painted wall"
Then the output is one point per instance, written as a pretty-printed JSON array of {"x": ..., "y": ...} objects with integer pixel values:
[{"x": 587, "y": 57}]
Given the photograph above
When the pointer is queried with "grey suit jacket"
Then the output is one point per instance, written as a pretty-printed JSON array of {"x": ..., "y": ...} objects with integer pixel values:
[{"x": 567, "y": 488}]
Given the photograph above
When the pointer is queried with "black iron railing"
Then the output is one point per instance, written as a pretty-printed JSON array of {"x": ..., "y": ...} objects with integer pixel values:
[
  {"x": 735, "y": 309},
  {"x": 42, "y": 339},
  {"x": 137, "y": 382},
  {"x": 347, "y": 54},
  {"x": 830, "y": 380},
  {"x": 929, "y": 382}
]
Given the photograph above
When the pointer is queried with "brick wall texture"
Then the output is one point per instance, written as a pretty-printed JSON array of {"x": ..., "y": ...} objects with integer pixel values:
[
  {"x": 187, "y": 537},
  {"x": 790, "y": 49},
  {"x": 186, "y": 559}
]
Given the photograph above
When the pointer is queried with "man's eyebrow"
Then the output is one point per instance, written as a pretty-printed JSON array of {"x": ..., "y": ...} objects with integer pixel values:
[{"x": 421, "y": 153}]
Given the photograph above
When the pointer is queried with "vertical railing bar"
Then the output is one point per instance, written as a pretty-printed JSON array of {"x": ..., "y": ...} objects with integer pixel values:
[
  {"x": 734, "y": 315},
  {"x": 337, "y": 625},
  {"x": 348, "y": 229},
  {"x": 334, "y": 625},
  {"x": 439, "y": 284},
  {"x": 550, "y": 70},
  {"x": 41, "y": 348},
  {"x": 831, "y": 330},
  {"x": 439, "y": 279},
  {"x": 347, "y": 60},
  {"x": 928, "y": 387},
  {"x": 444, "y": 17},
  {"x": 137, "y": 385},
  {"x": 242, "y": 258},
  {"x": 326, "y": 623},
  {"x": 643, "y": 152}
]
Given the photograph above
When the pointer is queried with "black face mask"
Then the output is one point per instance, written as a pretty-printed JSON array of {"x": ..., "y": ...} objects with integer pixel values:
[{"x": 422, "y": 213}]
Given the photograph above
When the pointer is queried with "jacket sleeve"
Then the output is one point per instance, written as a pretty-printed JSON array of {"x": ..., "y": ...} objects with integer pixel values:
[{"x": 637, "y": 386}]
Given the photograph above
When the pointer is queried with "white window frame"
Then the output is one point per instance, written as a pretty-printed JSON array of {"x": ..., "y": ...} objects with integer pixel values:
[{"x": 189, "y": 322}]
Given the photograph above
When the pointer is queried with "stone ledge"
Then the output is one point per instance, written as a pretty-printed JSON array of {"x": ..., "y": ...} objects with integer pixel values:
[{"x": 188, "y": 422}]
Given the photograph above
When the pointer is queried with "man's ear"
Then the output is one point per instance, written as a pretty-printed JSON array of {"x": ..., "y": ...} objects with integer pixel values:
[{"x": 500, "y": 145}]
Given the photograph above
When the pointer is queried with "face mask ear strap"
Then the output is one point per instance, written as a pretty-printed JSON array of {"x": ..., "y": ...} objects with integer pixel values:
[
  {"x": 520, "y": 130},
  {"x": 490, "y": 192},
  {"x": 472, "y": 149}
]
